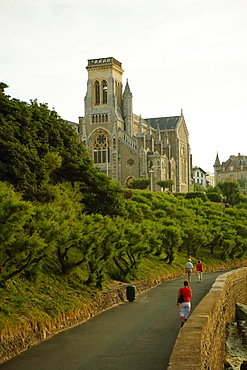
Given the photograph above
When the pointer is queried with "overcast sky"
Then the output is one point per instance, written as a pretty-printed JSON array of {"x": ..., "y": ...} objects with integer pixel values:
[{"x": 176, "y": 54}]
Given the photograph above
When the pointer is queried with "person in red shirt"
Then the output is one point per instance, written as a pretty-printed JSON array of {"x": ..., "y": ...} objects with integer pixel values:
[
  {"x": 199, "y": 270},
  {"x": 184, "y": 306}
]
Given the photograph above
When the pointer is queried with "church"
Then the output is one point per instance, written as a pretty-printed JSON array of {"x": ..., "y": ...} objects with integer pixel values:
[{"x": 126, "y": 146}]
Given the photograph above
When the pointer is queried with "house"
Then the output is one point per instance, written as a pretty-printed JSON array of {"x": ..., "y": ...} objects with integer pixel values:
[
  {"x": 235, "y": 168},
  {"x": 199, "y": 176}
]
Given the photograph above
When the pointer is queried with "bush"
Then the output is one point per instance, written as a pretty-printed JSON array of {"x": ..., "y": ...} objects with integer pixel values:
[
  {"x": 196, "y": 194},
  {"x": 214, "y": 197},
  {"x": 140, "y": 183}
]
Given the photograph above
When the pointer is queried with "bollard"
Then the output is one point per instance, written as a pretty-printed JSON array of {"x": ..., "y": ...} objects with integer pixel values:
[{"x": 131, "y": 293}]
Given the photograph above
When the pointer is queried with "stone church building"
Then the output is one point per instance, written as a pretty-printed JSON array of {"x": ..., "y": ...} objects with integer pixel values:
[{"x": 126, "y": 146}]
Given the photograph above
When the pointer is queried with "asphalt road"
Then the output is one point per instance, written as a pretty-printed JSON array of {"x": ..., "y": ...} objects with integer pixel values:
[{"x": 135, "y": 335}]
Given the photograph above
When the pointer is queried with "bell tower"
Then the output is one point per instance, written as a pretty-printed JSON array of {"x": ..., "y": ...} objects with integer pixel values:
[
  {"x": 103, "y": 114},
  {"x": 104, "y": 86}
]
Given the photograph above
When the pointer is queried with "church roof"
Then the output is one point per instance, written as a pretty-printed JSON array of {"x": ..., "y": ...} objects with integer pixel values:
[{"x": 164, "y": 123}]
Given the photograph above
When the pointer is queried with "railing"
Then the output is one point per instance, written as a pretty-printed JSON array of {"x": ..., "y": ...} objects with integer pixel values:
[{"x": 127, "y": 139}]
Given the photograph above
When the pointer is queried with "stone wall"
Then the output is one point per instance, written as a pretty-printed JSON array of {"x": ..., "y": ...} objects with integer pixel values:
[{"x": 201, "y": 341}]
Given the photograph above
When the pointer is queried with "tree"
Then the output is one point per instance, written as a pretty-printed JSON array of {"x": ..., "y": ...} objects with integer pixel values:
[
  {"x": 131, "y": 248},
  {"x": 38, "y": 148},
  {"x": 171, "y": 240},
  {"x": 165, "y": 184},
  {"x": 242, "y": 184},
  {"x": 102, "y": 195},
  {"x": 36, "y": 145},
  {"x": 198, "y": 187},
  {"x": 214, "y": 197},
  {"x": 140, "y": 183},
  {"x": 25, "y": 234},
  {"x": 231, "y": 191}
]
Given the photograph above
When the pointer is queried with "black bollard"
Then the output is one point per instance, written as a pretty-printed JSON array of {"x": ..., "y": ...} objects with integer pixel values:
[{"x": 131, "y": 293}]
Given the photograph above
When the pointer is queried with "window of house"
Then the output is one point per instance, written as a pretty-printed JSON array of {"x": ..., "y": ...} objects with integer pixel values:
[{"x": 231, "y": 168}]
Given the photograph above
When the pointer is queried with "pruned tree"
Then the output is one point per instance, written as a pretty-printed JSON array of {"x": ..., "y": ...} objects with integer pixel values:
[{"x": 165, "y": 184}]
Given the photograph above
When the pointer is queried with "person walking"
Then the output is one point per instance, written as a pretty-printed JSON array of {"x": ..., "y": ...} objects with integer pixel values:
[
  {"x": 199, "y": 270},
  {"x": 189, "y": 269},
  {"x": 185, "y": 306}
]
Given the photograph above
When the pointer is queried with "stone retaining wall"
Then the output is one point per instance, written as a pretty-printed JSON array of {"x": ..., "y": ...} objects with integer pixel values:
[{"x": 201, "y": 342}]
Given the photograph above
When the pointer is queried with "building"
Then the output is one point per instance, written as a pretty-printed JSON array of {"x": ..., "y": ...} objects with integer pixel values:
[
  {"x": 126, "y": 146},
  {"x": 200, "y": 176},
  {"x": 235, "y": 168},
  {"x": 210, "y": 179}
]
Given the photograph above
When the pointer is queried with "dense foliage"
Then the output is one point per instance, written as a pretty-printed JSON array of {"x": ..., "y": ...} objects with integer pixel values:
[
  {"x": 57, "y": 237},
  {"x": 38, "y": 148}
]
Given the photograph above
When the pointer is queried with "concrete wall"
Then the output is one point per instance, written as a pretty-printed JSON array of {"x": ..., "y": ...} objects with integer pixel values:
[{"x": 201, "y": 342}]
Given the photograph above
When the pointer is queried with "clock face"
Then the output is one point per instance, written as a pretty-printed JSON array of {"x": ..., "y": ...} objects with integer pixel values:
[{"x": 101, "y": 139}]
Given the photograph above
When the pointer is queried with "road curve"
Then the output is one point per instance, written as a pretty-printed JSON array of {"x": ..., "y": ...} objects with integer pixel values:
[{"x": 135, "y": 335}]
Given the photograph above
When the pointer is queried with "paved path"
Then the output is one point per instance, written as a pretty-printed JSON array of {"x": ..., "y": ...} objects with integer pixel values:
[{"x": 135, "y": 335}]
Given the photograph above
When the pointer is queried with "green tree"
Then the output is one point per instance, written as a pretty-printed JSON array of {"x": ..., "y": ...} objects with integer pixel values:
[
  {"x": 102, "y": 195},
  {"x": 133, "y": 245},
  {"x": 107, "y": 236},
  {"x": 199, "y": 187},
  {"x": 171, "y": 239},
  {"x": 140, "y": 183},
  {"x": 231, "y": 191},
  {"x": 38, "y": 148},
  {"x": 195, "y": 236},
  {"x": 25, "y": 234},
  {"x": 165, "y": 184}
]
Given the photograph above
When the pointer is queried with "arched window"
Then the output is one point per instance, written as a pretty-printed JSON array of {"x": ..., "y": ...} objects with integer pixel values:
[
  {"x": 104, "y": 91},
  {"x": 101, "y": 148},
  {"x": 97, "y": 92}
]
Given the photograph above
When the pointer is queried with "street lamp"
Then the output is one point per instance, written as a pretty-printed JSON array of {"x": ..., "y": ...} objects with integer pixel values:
[
  {"x": 106, "y": 156},
  {"x": 151, "y": 177}
]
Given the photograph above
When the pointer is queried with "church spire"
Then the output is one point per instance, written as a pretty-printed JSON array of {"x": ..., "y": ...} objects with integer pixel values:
[
  {"x": 127, "y": 89},
  {"x": 217, "y": 161},
  {"x": 127, "y": 108}
]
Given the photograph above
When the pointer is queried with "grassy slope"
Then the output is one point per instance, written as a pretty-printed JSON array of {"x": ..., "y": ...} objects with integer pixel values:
[{"x": 44, "y": 300}]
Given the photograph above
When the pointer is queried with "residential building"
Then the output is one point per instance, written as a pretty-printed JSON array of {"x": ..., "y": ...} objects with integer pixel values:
[
  {"x": 200, "y": 176},
  {"x": 235, "y": 168}
]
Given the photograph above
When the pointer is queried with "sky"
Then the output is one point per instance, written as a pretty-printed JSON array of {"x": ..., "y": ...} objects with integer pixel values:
[{"x": 176, "y": 54}]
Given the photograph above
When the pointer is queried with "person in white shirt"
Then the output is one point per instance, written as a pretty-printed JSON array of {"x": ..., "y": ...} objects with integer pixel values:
[{"x": 189, "y": 269}]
